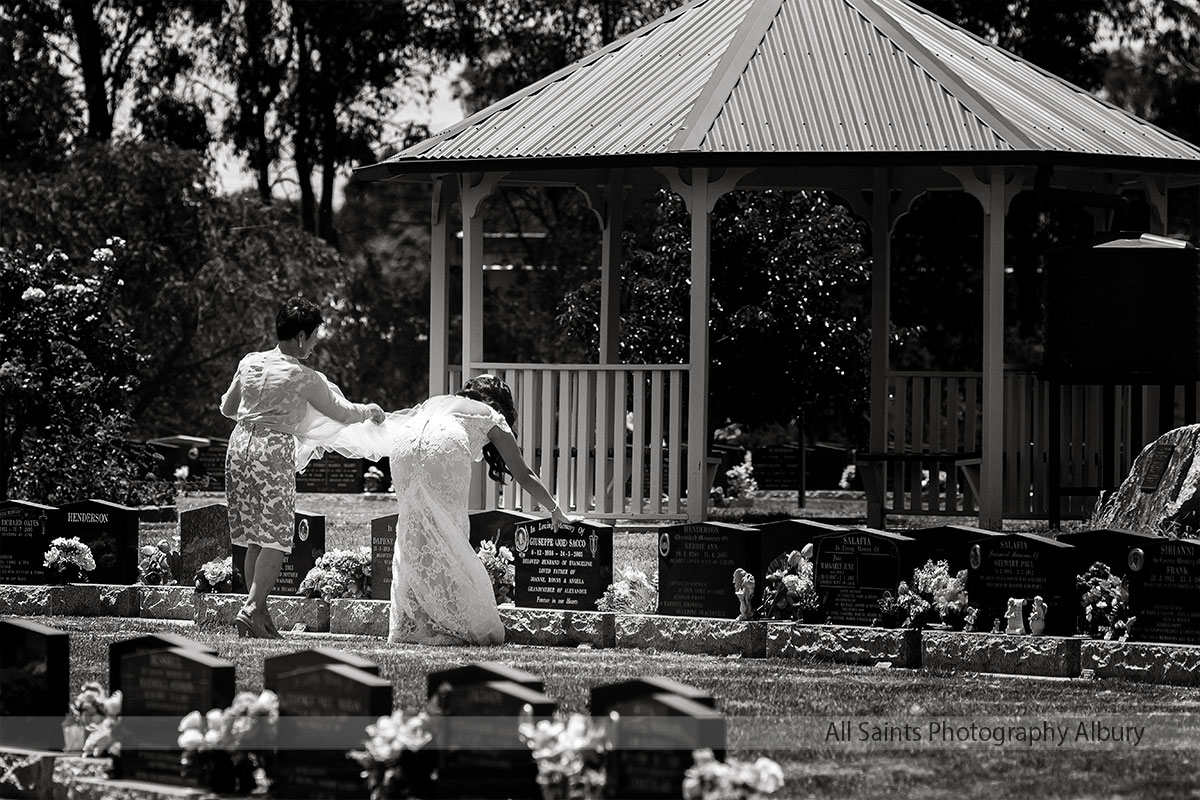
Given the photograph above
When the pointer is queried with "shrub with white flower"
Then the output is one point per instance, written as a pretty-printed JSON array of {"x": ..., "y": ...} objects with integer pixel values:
[
  {"x": 69, "y": 559},
  {"x": 632, "y": 593},
  {"x": 570, "y": 752},
  {"x": 710, "y": 779},
  {"x": 386, "y": 754},
  {"x": 498, "y": 561},
  {"x": 339, "y": 573}
]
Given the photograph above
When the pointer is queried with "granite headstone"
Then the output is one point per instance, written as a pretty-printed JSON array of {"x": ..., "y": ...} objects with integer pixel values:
[
  {"x": 949, "y": 543},
  {"x": 603, "y": 697},
  {"x": 1164, "y": 591},
  {"x": 203, "y": 536},
  {"x": 276, "y": 666},
  {"x": 568, "y": 568},
  {"x": 654, "y": 742},
  {"x": 778, "y": 467},
  {"x": 160, "y": 687},
  {"x": 110, "y": 530},
  {"x": 34, "y": 677},
  {"x": 1023, "y": 566},
  {"x": 308, "y": 544},
  {"x": 24, "y": 537},
  {"x": 383, "y": 546},
  {"x": 696, "y": 562},
  {"x": 329, "y": 705},
  {"x": 853, "y": 570},
  {"x": 480, "y": 672},
  {"x": 497, "y": 525},
  {"x": 332, "y": 474},
  {"x": 145, "y": 644},
  {"x": 482, "y": 755}
]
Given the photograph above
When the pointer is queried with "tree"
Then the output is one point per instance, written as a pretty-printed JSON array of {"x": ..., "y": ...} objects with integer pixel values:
[
  {"x": 65, "y": 381},
  {"x": 203, "y": 277}
]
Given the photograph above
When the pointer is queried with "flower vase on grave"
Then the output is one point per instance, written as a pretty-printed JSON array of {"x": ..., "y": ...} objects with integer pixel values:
[{"x": 65, "y": 575}]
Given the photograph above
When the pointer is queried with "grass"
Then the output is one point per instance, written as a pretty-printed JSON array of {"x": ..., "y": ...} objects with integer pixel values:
[{"x": 775, "y": 707}]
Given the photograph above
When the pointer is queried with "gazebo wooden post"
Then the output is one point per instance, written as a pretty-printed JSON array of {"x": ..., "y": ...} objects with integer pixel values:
[
  {"x": 881, "y": 309},
  {"x": 991, "y": 472},
  {"x": 700, "y": 206},
  {"x": 441, "y": 243}
]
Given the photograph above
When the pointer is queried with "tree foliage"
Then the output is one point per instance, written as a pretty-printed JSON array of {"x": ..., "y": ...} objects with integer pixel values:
[{"x": 65, "y": 378}]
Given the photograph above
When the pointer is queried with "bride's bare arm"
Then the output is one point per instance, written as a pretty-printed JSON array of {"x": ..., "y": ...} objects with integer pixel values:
[{"x": 528, "y": 480}]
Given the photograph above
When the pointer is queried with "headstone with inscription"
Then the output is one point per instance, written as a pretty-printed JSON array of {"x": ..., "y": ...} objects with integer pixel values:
[
  {"x": 603, "y": 697},
  {"x": 1164, "y": 591},
  {"x": 780, "y": 537},
  {"x": 480, "y": 672},
  {"x": 853, "y": 570},
  {"x": 482, "y": 755},
  {"x": 949, "y": 543},
  {"x": 308, "y": 544},
  {"x": 498, "y": 526},
  {"x": 568, "y": 568},
  {"x": 332, "y": 474},
  {"x": 110, "y": 530},
  {"x": 383, "y": 546},
  {"x": 276, "y": 666},
  {"x": 212, "y": 460},
  {"x": 24, "y": 538},
  {"x": 1023, "y": 566},
  {"x": 696, "y": 562},
  {"x": 1119, "y": 550},
  {"x": 325, "y": 708},
  {"x": 34, "y": 677},
  {"x": 203, "y": 536},
  {"x": 654, "y": 742},
  {"x": 1161, "y": 493},
  {"x": 160, "y": 687},
  {"x": 779, "y": 467},
  {"x": 145, "y": 644}
]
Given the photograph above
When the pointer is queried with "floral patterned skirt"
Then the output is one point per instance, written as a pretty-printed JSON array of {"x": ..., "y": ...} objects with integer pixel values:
[{"x": 260, "y": 486}]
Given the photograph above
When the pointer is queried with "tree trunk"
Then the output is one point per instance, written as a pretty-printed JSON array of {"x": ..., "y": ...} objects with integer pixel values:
[
  {"x": 256, "y": 16},
  {"x": 91, "y": 48},
  {"x": 303, "y": 136},
  {"x": 328, "y": 167}
]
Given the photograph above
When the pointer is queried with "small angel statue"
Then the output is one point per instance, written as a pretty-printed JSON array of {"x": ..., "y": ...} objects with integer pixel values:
[
  {"x": 1016, "y": 622},
  {"x": 743, "y": 587},
  {"x": 1037, "y": 616}
]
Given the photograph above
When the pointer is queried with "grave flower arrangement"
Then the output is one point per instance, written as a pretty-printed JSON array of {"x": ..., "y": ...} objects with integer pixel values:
[
  {"x": 634, "y": 593},
  {"x": 339, "y": 573},
  {"x": 90, "y": 726},
  {"x": 788, "y": 592},
  {"x": 387, "y": 756},
  {"x": 1105, "y": 601},
  {"x": 159, "y": 565},
  {"x": 69, "y": 560},
  {"x": 934, "y": 597},
  {"x": 709, "y": 779},
  {"x": 227, "y": 750},
  {"x": 219, "y": 575},
  {"x": 570, "y": 752},
  {"x": 372, "y": 479},
  {"x": 498, "y": 561}
]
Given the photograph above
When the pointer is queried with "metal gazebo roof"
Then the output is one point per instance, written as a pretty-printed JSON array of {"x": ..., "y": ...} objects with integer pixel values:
[{"x": 796, "y": 82}]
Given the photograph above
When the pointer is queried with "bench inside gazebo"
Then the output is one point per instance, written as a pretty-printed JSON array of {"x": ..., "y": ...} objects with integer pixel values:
[{"x": 877, "y": 101}]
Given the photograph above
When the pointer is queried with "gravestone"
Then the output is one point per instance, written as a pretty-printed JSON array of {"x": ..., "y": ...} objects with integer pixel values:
[
  {"x": 696, "y": 562},
  {"x": 110, "y": 530},
  {"x": 1024, "y": 566},
  {"x": 332, "y": 474},
  {"x": 482, "y": 755},
  {"x": 383, "y": 546},
  {"x": 308, "y": 544},
  {"x": 160, "y": 687},
  {"x": 497, "y": 525},
  {"x": 212, "y": 460},
  {"x": 276, "y": 666},
  {"x": 605, "y": 696},
  {"x": 34, "y": 684},
  {"x": 1121, "y": 551},
  {"x": 949, "y": 543},
  {"x": 568, "y": 568},
  {"x": 1164, "y": 591},
  {"x": 778, "y": 467},
  {"x": 24, "y": 539},
  {"x": 780, "y": 537},
  {"x": 1160, "y": 493},
  {"x": 655, "y": 738},
  {"x": 480, "y": 672},
  {"x": 325, "y": 709},
  {"x": 146, "y": 644},
  {"x": 852, "y": 571},
  {"x": 203, "y": 536}
]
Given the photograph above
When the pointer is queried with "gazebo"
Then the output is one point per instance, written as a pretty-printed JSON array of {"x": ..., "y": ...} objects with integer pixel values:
[{"x": 877, "y": 101}]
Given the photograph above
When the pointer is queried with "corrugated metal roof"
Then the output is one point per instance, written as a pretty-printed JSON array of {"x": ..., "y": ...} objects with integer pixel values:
[{"x": 797, "y": 76}]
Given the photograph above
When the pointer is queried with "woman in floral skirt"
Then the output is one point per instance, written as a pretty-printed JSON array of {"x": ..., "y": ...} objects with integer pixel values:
[{"x": 274, "y": 399}]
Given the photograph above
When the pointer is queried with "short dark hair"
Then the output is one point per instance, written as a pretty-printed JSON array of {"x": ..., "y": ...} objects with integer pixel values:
[
  {"x": 298, "y": 314},
  {"x": 495, "y": 392}
]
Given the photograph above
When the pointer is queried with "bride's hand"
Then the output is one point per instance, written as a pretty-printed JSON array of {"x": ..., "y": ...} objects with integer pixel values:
[
  {"x": 377, "y": 414},
  {"x": 559, "y": 518}
]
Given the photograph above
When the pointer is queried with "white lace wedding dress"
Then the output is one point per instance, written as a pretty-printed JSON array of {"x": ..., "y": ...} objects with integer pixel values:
[{"x": 441, "y": 593}]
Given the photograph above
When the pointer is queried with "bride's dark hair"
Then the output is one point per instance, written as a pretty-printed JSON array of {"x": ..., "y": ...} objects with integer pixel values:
[{"x": 495, "y": 392}]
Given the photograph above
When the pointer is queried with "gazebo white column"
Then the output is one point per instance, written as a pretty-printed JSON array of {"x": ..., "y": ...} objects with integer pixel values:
[
  {"x": 475, "y": 189},
  {"x": 441, "y": 243}
]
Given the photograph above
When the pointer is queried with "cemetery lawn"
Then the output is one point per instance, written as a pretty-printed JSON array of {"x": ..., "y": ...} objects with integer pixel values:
[{"x": 770, "y": 701}]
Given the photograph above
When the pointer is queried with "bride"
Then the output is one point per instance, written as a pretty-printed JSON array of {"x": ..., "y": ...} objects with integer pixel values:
[{"x": 441, "y": 593}]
